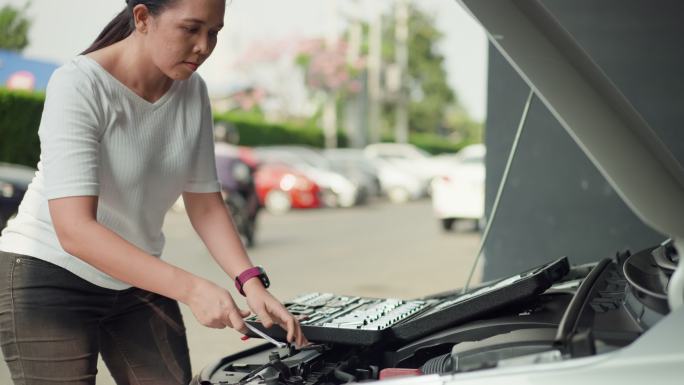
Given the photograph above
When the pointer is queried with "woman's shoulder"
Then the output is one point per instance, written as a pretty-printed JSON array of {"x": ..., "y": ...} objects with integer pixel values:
[
  {"x": 76, "y": 73},
  {"x": 76, "y": 83}
]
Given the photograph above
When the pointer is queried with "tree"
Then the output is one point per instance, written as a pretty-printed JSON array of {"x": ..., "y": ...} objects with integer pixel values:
[
  {"x": 430, "y": 93},
  {"x": 14, "y": 27},
  {"x": 434, "y": 107},
  {"x": 329, "y": 74}
]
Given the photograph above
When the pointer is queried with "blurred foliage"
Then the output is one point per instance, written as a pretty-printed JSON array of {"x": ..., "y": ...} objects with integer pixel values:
[
  {"x": 432, "y": 143},
  {"x": 20, "y": 113},
  {"x": 326, "y": 68},
  {"x": 435, "y": 144},
  {"x": 430, "y": 92},
  {"x": 255, "y": 130},
  {"x": 462, "y": 127},
  {"x": 434, "y": 107},
  {"x": 14, "y": 28}
]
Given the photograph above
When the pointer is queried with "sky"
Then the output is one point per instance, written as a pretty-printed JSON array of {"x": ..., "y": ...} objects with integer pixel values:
[{"x": 63, "y": 28}]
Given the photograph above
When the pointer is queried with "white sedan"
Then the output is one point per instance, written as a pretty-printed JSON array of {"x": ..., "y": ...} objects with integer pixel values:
[
  {"x": 409, "y": 159},
  {"x": 459, "y": 193}
]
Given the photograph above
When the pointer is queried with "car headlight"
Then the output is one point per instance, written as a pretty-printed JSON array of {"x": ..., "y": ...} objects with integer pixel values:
[
  {"x": 7, "y": 190},
  {"x": 344, "y": 187},
  {"x": 287, "y": 182},
  {"x": 241, "y": 172}
]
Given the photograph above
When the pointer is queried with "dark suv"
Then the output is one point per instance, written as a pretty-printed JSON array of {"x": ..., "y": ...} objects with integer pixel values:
[{"x": 14, "y": 180}]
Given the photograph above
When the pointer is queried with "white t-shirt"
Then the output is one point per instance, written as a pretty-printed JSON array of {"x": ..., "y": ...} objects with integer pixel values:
[{"x": 99, "y": 138}]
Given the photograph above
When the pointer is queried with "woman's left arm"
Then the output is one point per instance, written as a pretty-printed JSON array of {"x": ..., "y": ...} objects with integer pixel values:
[{"x": 211, "y": 220}]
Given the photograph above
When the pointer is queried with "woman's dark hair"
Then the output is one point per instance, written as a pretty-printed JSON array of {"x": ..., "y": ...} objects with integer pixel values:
[{"x": 123, "y": 25}]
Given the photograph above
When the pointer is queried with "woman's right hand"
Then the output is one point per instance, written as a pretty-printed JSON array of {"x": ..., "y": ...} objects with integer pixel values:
[{"x": 213, "y": 306}]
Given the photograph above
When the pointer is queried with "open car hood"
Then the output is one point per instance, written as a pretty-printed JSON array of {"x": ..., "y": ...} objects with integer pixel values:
[{"x": 609, "y": 130}]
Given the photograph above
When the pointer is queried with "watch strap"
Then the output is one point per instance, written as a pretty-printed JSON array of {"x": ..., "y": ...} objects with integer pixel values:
[{"x": 252, "y": 272}]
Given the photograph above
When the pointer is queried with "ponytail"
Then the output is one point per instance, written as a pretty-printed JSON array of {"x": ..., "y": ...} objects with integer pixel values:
[
  {"x": 118, "y": 29},
  {"x": 123, "y": 25}
]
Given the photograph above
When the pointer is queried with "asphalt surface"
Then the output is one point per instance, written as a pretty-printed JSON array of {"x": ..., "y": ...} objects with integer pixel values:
[{"x": 377, "y": 250}]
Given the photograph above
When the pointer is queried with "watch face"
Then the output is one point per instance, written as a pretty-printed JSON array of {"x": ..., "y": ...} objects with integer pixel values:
[{"x": 264, "y": 279}]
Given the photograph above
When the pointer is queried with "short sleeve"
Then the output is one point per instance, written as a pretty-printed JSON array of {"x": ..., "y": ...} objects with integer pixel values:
[
  {"x": 203, "y": 178},
  {"x": 70, "y": 135}
]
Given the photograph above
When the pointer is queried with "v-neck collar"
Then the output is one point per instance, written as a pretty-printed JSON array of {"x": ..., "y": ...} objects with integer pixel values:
[{"x": 139, "y": 99}]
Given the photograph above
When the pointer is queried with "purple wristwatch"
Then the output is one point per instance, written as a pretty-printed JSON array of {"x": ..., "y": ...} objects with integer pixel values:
[{"x": 256, "y": 271}]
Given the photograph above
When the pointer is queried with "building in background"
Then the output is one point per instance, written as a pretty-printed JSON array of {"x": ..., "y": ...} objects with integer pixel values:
[{"x": 20, "y": 73}]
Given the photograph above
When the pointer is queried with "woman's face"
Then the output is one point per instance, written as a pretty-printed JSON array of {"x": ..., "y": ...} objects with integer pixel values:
[{"x": 183, "y": 35}]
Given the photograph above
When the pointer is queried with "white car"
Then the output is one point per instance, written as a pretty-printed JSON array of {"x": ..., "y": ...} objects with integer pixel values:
[
  {"x": 351, "y": 163},
  {"x": 459, "y": 193},
  {"x": 410, "y": 159},
  {"x": 398, "y": 185}
]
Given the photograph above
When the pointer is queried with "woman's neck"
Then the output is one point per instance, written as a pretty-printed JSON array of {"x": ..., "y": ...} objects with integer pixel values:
[{"x": 128, "y": 62}]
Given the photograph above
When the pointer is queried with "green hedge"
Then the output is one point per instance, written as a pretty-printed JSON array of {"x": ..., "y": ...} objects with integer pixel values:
[
  {"x": 19, "y": 119},
  {"x": 20, "y": 116},
  {"x": 435, "y": 144},
  {"x": 255, "y": 131}
]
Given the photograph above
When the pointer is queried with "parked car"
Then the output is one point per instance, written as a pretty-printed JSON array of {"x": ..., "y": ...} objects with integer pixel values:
[
  {"x": 459, "y": 193},
  {"x": 588, "y": 321},
  {"x": 409, "y": 159},
  {"x": 14, "y": 180},
  {"x": 281, "y": 188},
  {"x": 248, "y": 156},
  {"x": 355, "y": 166},
  {"x": 238, "y": 189},
  {"x": 336, "y": 189},
  {"x": 398, "y": 185}
]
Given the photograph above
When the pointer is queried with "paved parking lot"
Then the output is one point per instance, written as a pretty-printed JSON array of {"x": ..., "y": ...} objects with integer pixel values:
[{"x": 382, "y": 250}]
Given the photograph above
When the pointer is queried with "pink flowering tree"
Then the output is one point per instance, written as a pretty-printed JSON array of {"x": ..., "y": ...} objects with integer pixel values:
[
  {"x": 332, "y": 78},
  {"x": 327, "y": 69}
]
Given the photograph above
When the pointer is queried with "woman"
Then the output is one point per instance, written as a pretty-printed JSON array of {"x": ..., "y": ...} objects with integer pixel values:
[{"x": 125, "y": 130}]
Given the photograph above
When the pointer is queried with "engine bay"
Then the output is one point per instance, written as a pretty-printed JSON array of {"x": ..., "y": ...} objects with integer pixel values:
[{"x": 588, "y": 310}]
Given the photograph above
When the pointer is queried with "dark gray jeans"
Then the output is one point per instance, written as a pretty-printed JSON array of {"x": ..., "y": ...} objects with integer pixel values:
[{"x": 54, "y": 324}]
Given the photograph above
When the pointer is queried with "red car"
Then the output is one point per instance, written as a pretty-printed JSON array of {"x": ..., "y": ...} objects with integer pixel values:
[
  {"x": 247, "y": 155},
  {"x": 281, "y": 188}
]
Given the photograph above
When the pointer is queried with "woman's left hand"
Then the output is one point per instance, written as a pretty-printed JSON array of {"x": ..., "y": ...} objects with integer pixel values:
[{"x": 270, "y": 311}]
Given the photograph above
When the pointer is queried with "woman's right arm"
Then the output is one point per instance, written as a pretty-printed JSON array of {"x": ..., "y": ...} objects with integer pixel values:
[
  {"x": 79, "y": 233},
  {"x": 71, "y": 129}
]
